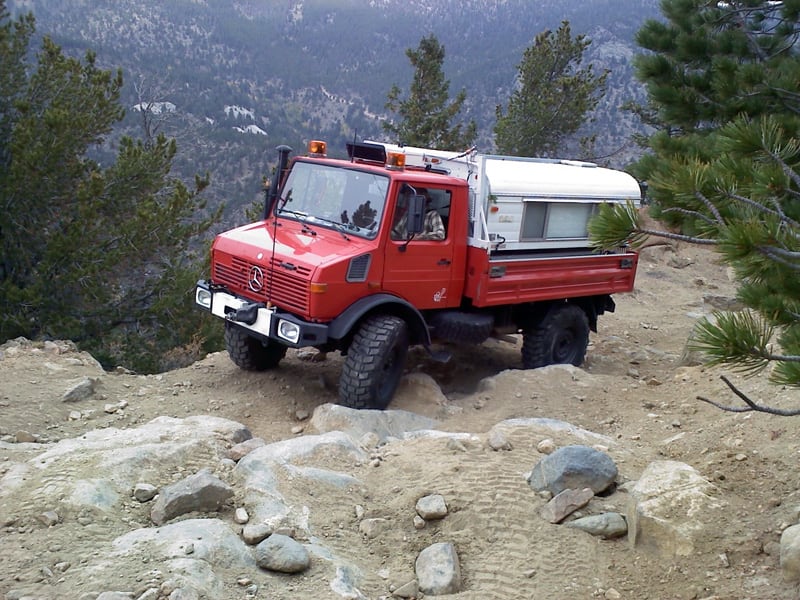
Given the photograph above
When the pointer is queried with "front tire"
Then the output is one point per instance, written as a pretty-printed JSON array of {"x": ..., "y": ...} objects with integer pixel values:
[
  {"x": 560, "y": 338},
  {"x": 374, "y": 363},
  {"x": 249, "y": 353}
]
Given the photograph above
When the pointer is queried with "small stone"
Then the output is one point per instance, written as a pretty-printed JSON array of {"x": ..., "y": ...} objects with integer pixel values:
[
  {"x": 407, "y": 590},
  {"x": 612, "y": 594},
  {"x": 256, "y": 532},
  {"x": 24, "y": 437},
  {"x": 49, "y": 518},
  {"x": 373, "y": 528},
  {"x": 546, "y": 446},
  {"x": 498, "y": 440},
  {"x": 297, "y": 429},
  {"x": 283, "y": 554},
  {"x": 240, "y": 516},
  {"x": 431, "y": 507},
  {"x": 565, "y": 503},
  {"x": 419, "y": 522},
  {"x": 144, "y": 492}
]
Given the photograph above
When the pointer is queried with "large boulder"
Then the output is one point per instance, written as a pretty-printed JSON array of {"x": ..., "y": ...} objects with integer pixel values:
[
  {"x": 671, "y": 508},
  {"x": 573, "y": 467}
]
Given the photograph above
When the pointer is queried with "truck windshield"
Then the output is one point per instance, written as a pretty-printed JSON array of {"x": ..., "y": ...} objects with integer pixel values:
[{"x": 340, "y": 198}]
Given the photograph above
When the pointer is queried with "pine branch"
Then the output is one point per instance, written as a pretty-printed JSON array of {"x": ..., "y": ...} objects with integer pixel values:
[
  {"x": 710, "y": 206},
  {"x": 690, "y": 213},
  {"x": 781, "y": 256},
  {"x": 751, "y": 405}
]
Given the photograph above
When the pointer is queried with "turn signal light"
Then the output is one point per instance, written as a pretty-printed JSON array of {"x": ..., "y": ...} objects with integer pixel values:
[
  {"x": 317, "y": 148},
  {"x": 318, "y": 288}
]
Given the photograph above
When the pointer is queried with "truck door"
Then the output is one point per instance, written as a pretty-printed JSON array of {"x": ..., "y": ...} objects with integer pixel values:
[{"x": 419, "y": 268}]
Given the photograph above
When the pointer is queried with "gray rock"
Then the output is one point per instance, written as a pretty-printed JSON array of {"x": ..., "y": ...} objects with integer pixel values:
[
  {"x": 240, "y": 516},
  {"x": 283, "y": 554},
  {"x": 49, "y": 518},
  {"x": 574, "y": 467},
  {"x": 144, "y": 492},
  {"x": 407, "y": 590},
  {"x": 115, "y": 596},
  {"x": 431, "y": 507},
  {"x": 565, "y": 503},
  {"x": 256, "y": 532},
  {"x": 438, "y": 569},
  {"x": 498, "y": 440},
  {"x": 373, "y": 528},
  {"x": 386, "y": 424},
  {"x": 608, "y": 525},
  {"x": 242, "y": 449},
  {"x": 24, "y": 437},
  {"x": 790, "y": 554},
  {"x": 344, "y": 584},
  {"x": 671, "y": 507},
  {"x": 201, "y": 492},
  {"x": 80, "y": 390}
]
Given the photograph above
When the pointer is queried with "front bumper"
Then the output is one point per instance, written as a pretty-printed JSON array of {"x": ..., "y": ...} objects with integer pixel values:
[{"x": 267, "y": 323}]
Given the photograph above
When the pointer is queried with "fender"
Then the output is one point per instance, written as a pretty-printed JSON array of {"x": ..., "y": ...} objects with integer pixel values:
[{"x": 344, "y": 323}]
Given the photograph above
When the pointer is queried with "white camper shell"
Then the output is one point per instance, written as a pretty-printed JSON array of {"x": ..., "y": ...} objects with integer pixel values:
[{"x": 528, "y": 204}]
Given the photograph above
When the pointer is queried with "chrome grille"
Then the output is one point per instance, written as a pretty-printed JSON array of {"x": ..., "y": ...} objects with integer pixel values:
[{"x": 289, "y": 282}]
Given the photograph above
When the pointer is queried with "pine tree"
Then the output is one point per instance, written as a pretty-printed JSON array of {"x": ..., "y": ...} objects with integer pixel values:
[
  {"x": 103, "y": 256},
  {"x": 553, "y": 96},
  {"x": 726, "y": 170},
  {"x": 427, "y": 112}
]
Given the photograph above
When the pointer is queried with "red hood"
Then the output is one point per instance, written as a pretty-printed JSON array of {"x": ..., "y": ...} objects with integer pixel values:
[{"x": 253, "y": 243}]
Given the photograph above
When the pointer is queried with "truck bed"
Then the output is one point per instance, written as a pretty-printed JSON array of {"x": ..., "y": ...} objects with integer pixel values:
[{"x": 515, "y": 278}]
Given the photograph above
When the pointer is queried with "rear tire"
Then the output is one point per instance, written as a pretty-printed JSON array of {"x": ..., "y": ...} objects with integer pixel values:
[
  {"x": 560, "y": 338},
  {"x": 374, "y": 363},
  {"x": 249, "y": 353}
]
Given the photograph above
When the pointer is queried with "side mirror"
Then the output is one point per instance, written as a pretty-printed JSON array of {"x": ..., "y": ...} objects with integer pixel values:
[{"x": 416, "y": 214}]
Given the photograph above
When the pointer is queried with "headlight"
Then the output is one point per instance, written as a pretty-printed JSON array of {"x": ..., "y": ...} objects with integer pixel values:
[
  {"x": 202, "y": 297},
  {"x": 288, "y": 331}
]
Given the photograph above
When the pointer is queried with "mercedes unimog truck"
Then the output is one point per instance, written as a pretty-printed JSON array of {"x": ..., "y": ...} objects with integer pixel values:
[{"x": 398, "y": 246}]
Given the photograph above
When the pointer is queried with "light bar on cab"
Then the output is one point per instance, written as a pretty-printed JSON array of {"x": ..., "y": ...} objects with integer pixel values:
[
  {"x": 395, "y": 160},
  {"x": 317, "y": 148}
]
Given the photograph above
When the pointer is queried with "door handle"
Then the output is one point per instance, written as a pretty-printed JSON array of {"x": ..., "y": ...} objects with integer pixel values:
[{"x": 443, "y": 262}]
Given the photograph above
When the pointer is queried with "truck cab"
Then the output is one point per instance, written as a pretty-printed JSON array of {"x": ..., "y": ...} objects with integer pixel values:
[{"x": 370, "y": 255}]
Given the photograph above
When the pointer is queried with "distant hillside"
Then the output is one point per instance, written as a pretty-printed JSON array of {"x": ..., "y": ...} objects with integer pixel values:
[{"x": 234, "y": 78}]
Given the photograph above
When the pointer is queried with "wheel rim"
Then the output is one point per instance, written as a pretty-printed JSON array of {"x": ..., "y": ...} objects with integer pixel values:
[{"x": 564, "y": 347}]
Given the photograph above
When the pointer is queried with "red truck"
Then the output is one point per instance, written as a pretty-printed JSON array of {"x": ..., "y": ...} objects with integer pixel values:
[{"x": 397, "y": 246}]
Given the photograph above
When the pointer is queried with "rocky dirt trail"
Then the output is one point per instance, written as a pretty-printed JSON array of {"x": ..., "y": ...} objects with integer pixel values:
[{"x": 351, "y": 500}]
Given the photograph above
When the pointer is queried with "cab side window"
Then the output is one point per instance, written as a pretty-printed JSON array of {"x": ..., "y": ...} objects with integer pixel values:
[{"x": 437, "y": 211}]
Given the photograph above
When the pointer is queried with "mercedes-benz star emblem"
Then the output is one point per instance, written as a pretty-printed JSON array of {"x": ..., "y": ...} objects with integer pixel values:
[{"x": 256, "y": 281}]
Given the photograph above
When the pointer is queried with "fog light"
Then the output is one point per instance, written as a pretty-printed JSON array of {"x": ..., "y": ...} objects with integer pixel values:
[
  {"x": 288, "y": 331},
  {"x": 203, "y": 297}
]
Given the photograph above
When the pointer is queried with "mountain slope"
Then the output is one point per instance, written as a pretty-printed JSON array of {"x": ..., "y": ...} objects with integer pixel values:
[{"x": 321, "y": 68}]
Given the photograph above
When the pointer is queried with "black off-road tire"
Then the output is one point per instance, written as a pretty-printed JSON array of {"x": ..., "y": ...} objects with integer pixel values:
[
  {"x": 462, "y": 327},
  {"x": 374, "y": 363},
  {"x": 560, "y": 338},
  {"x": 249, "y": 353}
]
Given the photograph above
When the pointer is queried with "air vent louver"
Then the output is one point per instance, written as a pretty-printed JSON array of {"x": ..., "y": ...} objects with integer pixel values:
[{"x": 359, "y": 268}]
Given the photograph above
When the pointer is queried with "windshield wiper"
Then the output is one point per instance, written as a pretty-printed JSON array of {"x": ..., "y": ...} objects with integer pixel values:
[
  {"x": 295, "y": 213},
  {"x": 335, "y": 224}
]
